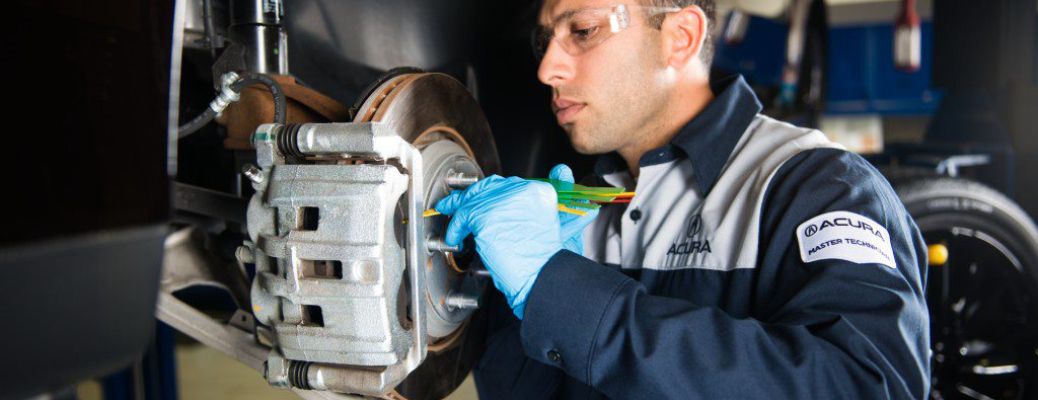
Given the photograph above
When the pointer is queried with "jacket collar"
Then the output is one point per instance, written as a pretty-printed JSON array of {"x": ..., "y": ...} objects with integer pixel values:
[{"x": 708, "y": 139}]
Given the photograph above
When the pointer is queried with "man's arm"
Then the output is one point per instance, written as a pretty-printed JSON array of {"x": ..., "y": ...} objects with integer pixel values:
[{"x": 836, "y": 328}]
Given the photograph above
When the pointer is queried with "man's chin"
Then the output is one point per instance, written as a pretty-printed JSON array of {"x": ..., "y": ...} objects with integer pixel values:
[
  {"x": 580, "y": 141},
  {"x": 585, "y": 148}
]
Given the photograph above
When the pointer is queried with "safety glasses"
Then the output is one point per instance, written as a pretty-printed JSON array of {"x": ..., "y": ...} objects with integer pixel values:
[{"x": 578, "y": 31}]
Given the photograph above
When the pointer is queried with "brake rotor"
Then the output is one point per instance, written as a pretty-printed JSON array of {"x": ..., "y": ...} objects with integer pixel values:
[
  {"x": 426, "y": 107},
  {"x": 436, "y": 114}
]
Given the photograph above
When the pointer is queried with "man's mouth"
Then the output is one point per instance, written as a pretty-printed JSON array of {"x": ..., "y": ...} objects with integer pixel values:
[{"x": 566, "y": 110}]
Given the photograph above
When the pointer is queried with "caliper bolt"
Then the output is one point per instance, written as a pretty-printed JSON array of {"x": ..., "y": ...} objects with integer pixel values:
[
  {"x": 244, "y": 254},
  {"x": 253, "y": 173}
]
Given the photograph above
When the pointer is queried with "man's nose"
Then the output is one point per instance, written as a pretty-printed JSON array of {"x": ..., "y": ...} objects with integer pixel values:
[{"x": 556, "y": 66}]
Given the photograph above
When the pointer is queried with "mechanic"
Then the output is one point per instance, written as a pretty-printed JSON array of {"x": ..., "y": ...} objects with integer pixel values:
[{"x": 757, "y": 259}]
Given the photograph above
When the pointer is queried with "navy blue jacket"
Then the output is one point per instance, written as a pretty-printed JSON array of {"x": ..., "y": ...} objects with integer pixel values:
[{"x": 785, "y": 328}]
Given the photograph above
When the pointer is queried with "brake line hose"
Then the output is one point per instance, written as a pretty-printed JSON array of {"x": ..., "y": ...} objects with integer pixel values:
[
  {"x": 230, "y": 89},
  {"x": 195, "y": 124},
  {"x": 252, "y": 78}
]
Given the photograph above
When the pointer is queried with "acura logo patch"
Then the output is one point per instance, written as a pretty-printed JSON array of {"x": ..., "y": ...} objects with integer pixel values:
[
  {"x": 695, "y": 225},
  {"x": 844, "y": 235}
]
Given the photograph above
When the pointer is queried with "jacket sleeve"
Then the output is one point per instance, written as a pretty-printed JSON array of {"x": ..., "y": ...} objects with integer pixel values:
[{"x": 830, "y": 328}]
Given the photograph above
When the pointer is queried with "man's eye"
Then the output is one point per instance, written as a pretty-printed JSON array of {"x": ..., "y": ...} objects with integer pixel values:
[{"x": 584, "y": 34}]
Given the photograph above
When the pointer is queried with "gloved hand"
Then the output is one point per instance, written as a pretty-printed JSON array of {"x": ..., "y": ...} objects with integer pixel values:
[
  {"x": 516, "y": 228},
  {"x": 572, "y": 226}
]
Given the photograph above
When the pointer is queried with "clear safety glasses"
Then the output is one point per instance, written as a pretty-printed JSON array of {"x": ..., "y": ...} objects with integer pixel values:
[{"x": 578, "y": 31}]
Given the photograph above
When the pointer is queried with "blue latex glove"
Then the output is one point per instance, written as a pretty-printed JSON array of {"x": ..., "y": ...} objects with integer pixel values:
[
  {"x": 516, "y": 227},
  {"x": 572, "y": 225}
]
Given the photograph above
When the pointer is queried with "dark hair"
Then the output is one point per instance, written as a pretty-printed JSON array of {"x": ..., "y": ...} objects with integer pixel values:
[{"x": 707, "y": 53}]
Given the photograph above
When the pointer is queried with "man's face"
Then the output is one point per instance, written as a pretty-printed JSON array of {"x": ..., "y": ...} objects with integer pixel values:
[{"x": 607, "y": 95}]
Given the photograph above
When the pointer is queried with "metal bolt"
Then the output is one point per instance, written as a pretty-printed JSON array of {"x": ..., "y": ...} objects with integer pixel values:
[
  {"x": 460, "y": 180},
  {"x": 253, "y": 173},
  {"x": 228, "y": 79},
  {"x": 227, "y": 94},
  {"x": 437, "y": 244},
  {"x": 461, "y": 302},
  {"x": 244, "y": 254},
  {"x": 275, "y": 370}
]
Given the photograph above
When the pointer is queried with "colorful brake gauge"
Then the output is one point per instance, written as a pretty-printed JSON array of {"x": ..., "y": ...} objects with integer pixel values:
[
  {"x": 576, "y": 199},
  {"x": 587, "y": 197}
]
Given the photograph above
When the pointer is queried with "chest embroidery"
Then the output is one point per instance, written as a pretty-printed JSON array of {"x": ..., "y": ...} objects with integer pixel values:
[{"x": 692, "y": 242}]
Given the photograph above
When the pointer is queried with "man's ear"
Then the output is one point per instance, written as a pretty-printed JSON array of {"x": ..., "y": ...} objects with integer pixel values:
[{"x": 684, "y": 33}]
